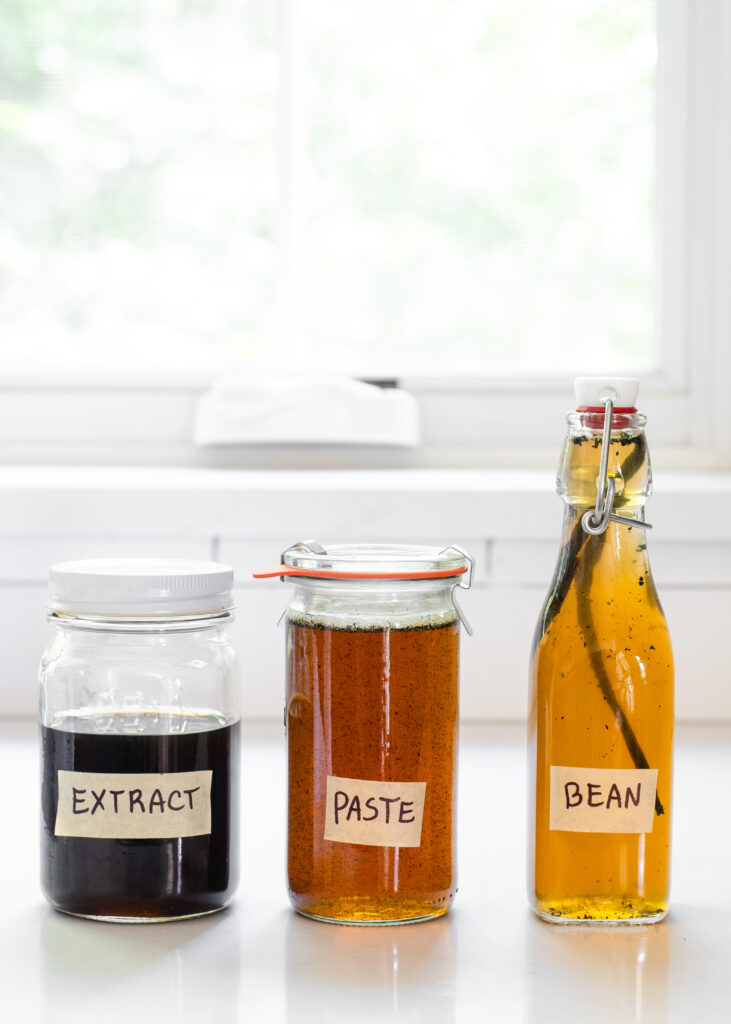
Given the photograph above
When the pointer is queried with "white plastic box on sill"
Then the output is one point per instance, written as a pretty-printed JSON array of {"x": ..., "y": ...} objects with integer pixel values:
[{"x": 317, "y": 409}]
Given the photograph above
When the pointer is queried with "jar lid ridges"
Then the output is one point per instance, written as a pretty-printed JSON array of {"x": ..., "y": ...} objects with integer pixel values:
[{"x": 144, "y": 586}]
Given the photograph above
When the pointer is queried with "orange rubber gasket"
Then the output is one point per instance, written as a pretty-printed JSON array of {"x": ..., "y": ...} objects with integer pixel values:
[{"x": 329, "y": 574}]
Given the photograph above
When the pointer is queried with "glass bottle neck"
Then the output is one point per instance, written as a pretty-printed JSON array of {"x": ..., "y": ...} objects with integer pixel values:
[{"x": 628, "y": 463}]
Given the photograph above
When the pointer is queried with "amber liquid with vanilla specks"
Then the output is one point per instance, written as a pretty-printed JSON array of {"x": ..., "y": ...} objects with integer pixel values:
[
  {"x": 375, "y": 704},
  {"x": 601, "y": 690}
]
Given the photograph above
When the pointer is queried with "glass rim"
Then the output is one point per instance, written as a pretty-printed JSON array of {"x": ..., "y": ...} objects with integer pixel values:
[
  {"x": 370, "y": 562},
  {"x": 592, "y": 419},
  {"x": 139, "y": 622}
]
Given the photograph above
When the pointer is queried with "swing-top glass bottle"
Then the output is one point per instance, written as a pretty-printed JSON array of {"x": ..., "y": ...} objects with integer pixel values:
[{"x": 601, "y": 709}]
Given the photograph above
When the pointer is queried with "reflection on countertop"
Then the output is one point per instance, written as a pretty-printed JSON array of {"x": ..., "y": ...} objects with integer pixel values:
[
  {"x": 607, "y": 973},
  {"x": 336, "y": 973},
  {"x": 175, "y": 972}
]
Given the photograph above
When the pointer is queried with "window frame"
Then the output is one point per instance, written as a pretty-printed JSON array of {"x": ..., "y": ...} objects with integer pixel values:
[{"x": 496, "y": 420}]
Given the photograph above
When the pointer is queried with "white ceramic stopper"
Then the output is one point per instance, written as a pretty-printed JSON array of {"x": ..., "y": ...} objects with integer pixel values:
[{"x": 593, "y": 391}]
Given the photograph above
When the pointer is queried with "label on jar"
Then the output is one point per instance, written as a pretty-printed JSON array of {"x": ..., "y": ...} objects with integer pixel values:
[
  {"x": 104, "y": 805},
  {"x": 602, "y": 799},
  {"x": 374, "y": 813}
]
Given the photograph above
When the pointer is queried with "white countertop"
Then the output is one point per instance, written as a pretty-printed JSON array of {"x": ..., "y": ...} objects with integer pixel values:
[{"x": 488, "y": 960}]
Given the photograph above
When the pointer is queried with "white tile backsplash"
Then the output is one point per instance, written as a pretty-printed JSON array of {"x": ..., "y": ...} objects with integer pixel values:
[{"x": 494, "y": 674}]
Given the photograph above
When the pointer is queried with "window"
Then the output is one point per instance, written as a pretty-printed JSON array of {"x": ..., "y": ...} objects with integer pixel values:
[
  {"x": 138, "y": 147},
  {"x": 465, "y": 195},
  {"x": 480, "y": 184}
]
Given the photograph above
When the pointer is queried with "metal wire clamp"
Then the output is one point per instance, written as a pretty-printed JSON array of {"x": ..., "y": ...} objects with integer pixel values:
[
  {"x": 465, "y": 583},
  {"x": 596, "y": 522}
]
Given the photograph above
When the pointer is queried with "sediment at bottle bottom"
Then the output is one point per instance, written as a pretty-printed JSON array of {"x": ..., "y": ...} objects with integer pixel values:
[
  {"x": 364, "y": 910},
  {"x": 600, "y": 909}
]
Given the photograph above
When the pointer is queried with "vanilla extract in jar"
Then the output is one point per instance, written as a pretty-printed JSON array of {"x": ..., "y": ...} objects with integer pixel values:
[
  {"x": 140, "y": 741},
  {"x": 372, "y": 698}
]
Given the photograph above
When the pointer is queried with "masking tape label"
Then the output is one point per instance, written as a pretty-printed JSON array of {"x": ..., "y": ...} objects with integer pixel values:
[
  {"x": 374, "y": 813},
  {"x": 103, "y": 805},
  {"x": 602, "y": 799}
]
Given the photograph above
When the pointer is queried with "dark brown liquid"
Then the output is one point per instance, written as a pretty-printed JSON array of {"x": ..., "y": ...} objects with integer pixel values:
[
  {"x": 380, "y": 705},
  {"x": 142, "y": 878}
]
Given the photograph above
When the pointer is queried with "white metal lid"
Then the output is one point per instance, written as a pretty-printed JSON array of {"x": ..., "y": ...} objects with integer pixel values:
[
  {"x": 593, "y": 391},
  {"x": 140, "y": 587}
]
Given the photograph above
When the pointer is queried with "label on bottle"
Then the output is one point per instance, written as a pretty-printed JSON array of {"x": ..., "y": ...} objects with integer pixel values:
[
  {"x": 104, "y": 805},
  {"x": 602, "y": 799},
  {"x": 374, "y": 813}
]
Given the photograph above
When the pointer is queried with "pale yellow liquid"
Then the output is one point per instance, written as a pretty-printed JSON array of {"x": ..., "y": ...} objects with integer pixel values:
[{"x": 608, "y": 618}]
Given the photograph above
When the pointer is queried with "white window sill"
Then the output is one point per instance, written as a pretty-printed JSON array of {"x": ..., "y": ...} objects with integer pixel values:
[{"x": 437, "y": 504}]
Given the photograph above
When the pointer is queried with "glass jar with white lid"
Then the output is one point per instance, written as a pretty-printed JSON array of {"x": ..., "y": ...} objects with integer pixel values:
[{"x": 139, "y": 714}]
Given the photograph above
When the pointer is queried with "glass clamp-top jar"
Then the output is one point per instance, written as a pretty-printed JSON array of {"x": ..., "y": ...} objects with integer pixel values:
[
  {"x": 140, "y": 740},
  {"x": 372, "y": 720}
]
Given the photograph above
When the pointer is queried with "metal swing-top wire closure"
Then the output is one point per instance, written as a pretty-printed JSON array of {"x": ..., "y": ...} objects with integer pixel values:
[{"x": 596, "y": 522}]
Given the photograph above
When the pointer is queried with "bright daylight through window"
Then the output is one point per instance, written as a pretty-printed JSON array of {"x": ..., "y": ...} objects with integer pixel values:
[{"x": 451, "y": 185}]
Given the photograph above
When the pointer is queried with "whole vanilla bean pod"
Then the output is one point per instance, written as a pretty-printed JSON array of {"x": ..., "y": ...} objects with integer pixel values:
[
  {"x": 577, "y": 554},
  {"x": 567, "y": 568},
  {"x": 592, "y": 554},
  {"x": 569, "y": 562}
]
